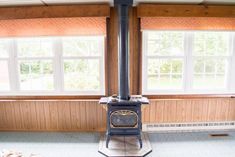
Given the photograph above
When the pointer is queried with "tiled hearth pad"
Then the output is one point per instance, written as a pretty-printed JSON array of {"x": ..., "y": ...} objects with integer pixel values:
[{"x": 125, "y": 146}]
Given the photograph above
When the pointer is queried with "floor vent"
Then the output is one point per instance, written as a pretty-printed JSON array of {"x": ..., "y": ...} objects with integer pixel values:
[
  {"x": 189, "y": 127},
  {"x": 219, "y": 135}
]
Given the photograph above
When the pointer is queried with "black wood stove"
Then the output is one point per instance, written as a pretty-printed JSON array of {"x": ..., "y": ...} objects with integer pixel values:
[{"x": 123, "y": 110}]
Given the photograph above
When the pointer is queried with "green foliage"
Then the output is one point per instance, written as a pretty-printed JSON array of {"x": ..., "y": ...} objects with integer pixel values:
[
  {"x": 34, "y": 47},
  {"x": 211, "y": 43},
  {"x": 82, "y": 74},
  {"x": 165, "y": 43},
  {"x": 81, "y": 47}
]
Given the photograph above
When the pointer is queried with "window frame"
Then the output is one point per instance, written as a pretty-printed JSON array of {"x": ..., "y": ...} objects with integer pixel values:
[
  {"x": 57, "y": 65},
  {"x": 188, "y": 66}
]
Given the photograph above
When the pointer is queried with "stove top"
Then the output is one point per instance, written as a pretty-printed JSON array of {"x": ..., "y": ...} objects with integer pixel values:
[{"x": 115, "y": 99}]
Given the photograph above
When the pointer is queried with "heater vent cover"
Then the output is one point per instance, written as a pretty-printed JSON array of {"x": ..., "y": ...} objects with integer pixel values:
[{"x": 189, "y": 127}]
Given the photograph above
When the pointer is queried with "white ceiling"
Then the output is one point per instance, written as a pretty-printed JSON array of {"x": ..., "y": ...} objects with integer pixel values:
[{"x": 57, "y": 2}]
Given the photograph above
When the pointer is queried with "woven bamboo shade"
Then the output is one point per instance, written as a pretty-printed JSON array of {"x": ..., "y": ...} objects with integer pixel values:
[
  {"x": 187, "y": 23},
  {"x": 53, "y": 27}
]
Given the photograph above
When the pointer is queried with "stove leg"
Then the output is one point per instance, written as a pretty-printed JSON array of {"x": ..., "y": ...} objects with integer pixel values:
[
  {"x": 107, "y": 141},
  {"x": 140, "y": 141}
]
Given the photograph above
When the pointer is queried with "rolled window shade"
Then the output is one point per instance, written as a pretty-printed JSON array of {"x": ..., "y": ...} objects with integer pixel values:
[
  {"x": 53, "y": 27},
  {"x": 187, "y": 23}
]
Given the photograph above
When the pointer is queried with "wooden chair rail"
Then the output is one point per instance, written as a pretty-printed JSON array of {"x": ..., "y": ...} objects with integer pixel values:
[{"x": 97, "y": 97}]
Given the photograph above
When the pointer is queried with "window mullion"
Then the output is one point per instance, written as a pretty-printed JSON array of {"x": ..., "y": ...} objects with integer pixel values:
[
  {"x": 231, "y": 64},
  {"x": 188, "y": 65},
  {"x": 102, "y": 68},
  {"x": 13, "y": 66},
  {"x": 144, "y": 63},
  {"x": 58, "y": 65}
]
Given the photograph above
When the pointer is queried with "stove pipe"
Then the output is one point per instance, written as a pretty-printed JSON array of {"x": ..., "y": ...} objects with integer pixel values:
[{"x": 123, "y": 47}]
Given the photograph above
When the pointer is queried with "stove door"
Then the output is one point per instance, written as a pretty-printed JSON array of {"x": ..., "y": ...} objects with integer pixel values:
[{"x": 124, "y": 119}]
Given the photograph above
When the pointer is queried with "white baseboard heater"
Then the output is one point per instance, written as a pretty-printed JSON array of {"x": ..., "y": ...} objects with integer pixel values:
[{"x": 189, "y": 127}]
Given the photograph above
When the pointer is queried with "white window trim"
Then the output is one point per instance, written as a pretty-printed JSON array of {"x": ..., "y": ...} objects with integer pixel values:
[
  {"x": 188, "y": 67},
  {"x": 58, "y": 68}
]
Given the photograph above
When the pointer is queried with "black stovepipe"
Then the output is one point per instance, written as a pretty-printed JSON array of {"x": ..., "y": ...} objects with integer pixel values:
[{"x": 123, "y": 47}]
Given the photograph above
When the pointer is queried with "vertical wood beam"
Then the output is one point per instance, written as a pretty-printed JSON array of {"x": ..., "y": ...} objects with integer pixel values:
[
  {"x": 135, "y": 67},
  {"x": 112, "y": 54}
]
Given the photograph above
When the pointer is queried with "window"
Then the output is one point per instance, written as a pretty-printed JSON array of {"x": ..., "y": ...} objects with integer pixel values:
[
  {"x": 4, "y": 64},
  {"x": 187, "y": 62},
  {"x": 82, "y": 62},
  {"x": 210, "y": 60},
  {"x": 35, "y": 58},
  {"x": 52, "y": 65}
]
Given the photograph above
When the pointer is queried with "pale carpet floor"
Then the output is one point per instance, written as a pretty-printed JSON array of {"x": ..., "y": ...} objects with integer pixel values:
[{"x": 86, "y": 144}]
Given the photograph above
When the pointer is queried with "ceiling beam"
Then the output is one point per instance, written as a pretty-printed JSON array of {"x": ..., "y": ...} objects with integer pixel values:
[
  {"x": 156, "y": 10},
  {"x": 31, "y": 12}
]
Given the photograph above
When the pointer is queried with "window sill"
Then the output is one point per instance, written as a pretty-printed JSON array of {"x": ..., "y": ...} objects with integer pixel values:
[
  {"x": 50, "y": 97},
  {"x": 97, "y": 97},
  {"x": 189, "y": 96}
]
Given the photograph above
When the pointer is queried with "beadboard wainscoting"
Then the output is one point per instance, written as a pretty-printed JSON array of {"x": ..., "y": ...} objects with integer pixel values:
[{"x": 88, "y": 115}]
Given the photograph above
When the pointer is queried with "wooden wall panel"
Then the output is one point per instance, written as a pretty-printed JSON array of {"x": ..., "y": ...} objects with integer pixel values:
[
  {"x": 52, "y": 116},
  {"x": 90, "y": 116},
  {"x": 112, "y": 53},
  {"x": 195, "y": 110},
  {"x": 134, "y": 36}
]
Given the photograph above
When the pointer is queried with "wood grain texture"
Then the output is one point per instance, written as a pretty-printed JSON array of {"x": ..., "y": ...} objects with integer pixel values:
[
  {"x": 112, "y": 53},
  {"x": 134, "y": 36},
  {"x": 52, "y": 116},
  {"x": 156, "y": 10},
  {"x": 90, "y": 116},
  {"x": 195, "y": 110},
  {"x": 31, "y": 12}
]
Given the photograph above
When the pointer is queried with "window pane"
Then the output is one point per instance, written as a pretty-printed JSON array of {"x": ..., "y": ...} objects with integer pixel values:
[
  {"x": 83, "y": 46},
  {"x": 4, "y": 76},
  {"x": 82, "y": 75},
  {"x": 34, "y": 47},
  {"x": 36, "y": 75},
  {"x": 4, "y": 48},
  {"x": 165, "y": 74},
  {"x": 209, "y": 73},
  {"x": 165, "y": 43},
  {"x": 211, "y": 43}
]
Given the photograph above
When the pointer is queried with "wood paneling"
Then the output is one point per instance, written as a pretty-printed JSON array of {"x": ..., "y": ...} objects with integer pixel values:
[
  {"x": 134, "y": 36},
  {"x": 90, "y": 116},
  {"x": 196, "y": 110},
  {"x": 156, "y": 10},
  {"x": 112, "y": 53},
  {"x": 52, "y": 116},
  {"x": 99, "y": 10}
]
